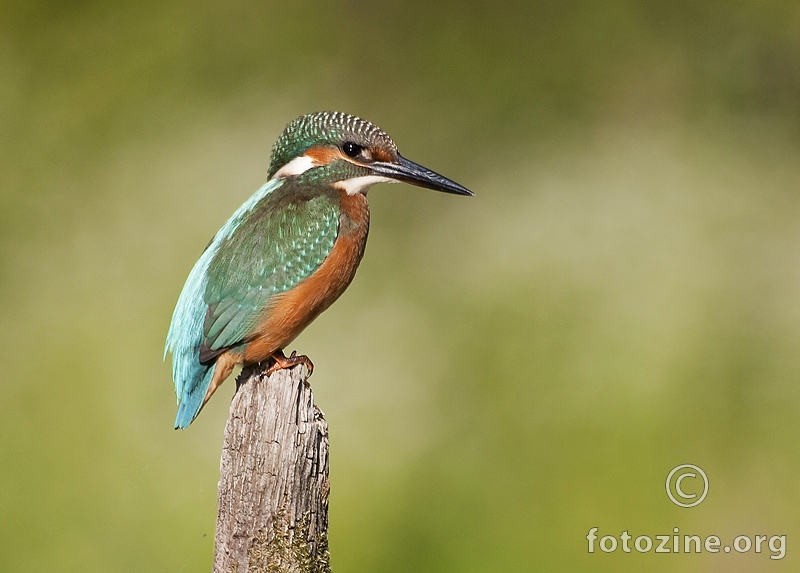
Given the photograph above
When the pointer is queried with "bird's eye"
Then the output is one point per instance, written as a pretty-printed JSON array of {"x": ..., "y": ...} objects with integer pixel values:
[{"x": 351, "y": 149}]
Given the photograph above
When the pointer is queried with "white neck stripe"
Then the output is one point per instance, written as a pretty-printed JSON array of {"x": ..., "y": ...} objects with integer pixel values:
[{"x": 296, "y": 166}]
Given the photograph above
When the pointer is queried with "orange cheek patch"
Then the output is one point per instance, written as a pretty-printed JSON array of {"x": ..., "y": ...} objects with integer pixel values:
[
  {"x": 324, "y": 155},
  {"x": 379, "y": 154}
]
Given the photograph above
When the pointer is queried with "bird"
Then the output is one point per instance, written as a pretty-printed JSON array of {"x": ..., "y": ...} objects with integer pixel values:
[{"x": 285, "y": 255}]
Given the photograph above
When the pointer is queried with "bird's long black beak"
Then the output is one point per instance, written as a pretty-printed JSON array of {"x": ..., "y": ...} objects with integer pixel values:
[{"x": 410, "y": 172}]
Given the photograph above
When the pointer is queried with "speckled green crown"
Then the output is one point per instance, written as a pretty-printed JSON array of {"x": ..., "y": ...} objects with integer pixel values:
[{"x": 324, "y": 128}]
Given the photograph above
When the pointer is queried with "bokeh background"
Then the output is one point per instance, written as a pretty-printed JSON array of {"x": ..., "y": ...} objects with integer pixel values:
[{"x": 506, "y": 372}]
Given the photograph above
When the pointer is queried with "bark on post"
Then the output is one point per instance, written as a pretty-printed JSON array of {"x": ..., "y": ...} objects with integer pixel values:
[{"x": 273, "y": 486}]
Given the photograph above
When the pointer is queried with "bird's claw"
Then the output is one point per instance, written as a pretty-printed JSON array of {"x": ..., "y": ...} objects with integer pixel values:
[{"x": 282, "y": 361}]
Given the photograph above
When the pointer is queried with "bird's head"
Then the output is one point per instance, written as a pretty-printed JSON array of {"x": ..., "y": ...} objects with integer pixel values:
[{"x": 348, "y": 153}]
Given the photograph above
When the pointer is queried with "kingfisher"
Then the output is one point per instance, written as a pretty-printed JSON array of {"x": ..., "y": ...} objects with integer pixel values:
[{"x": 285, "y": 255}]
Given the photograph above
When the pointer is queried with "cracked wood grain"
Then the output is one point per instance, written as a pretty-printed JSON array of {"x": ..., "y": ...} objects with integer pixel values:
[{"x": 273, "y": 487}]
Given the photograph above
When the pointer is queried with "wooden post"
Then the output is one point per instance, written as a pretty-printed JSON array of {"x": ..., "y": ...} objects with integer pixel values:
[{"x": 273, "y": 485}]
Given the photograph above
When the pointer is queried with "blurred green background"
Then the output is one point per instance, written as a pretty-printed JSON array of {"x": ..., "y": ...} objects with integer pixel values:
[{"x": 506, "y": 372}]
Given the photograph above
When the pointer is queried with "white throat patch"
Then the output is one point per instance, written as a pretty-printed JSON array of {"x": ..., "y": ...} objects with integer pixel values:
[{"x": 361, "y": 184}]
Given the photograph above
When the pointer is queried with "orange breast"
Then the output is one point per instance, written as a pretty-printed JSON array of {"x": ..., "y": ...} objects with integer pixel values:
[{"x": 293, "y": 310}]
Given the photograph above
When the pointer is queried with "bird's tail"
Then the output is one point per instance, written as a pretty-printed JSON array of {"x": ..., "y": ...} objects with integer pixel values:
[{"x": 190, "y": 401}]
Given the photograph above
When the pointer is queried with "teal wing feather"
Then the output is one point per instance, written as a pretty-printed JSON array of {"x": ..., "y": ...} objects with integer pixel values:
[
  {"x": 279, "y": 245},
  {"x": 273, "y": 241}
]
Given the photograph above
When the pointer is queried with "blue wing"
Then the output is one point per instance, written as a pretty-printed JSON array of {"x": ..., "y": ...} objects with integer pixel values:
[
  {"x": 285, "y": 241},
  {"x": 267, "y": 247},
  {"x": 185, "y": 336}
]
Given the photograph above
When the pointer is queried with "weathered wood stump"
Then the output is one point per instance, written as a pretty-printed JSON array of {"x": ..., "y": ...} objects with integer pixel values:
[{"x": 273, "y": 486}]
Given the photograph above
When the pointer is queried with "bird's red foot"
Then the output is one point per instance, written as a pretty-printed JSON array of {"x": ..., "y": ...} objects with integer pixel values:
[{"x": 282, "y": 361}]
